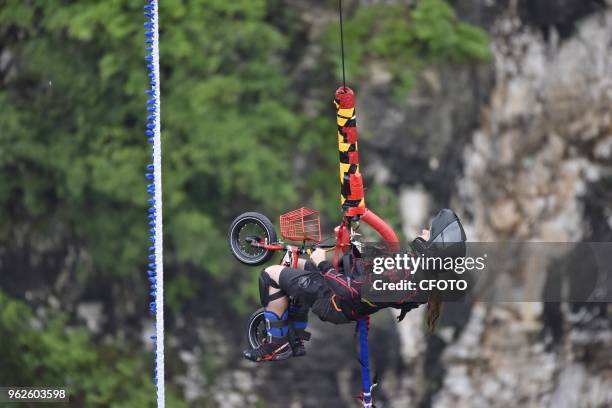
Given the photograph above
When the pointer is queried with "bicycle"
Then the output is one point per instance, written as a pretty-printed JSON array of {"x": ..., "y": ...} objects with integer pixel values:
[{"x": 253, "y": 241}]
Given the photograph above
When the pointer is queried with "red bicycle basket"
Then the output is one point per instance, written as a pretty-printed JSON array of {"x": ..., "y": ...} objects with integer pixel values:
[{"x": 302, "y": 224}]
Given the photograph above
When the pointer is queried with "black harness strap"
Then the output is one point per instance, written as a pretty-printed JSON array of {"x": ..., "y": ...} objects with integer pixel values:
[
  {"x": 276, "y": 324},
  {"x": 276, "y": 295}
]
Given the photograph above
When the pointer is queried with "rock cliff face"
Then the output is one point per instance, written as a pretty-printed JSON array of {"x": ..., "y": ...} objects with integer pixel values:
[
  {"x": 530, "y": 172},
  {"x": 545, "y": 134},
  {"x": 522, "y": 151}
]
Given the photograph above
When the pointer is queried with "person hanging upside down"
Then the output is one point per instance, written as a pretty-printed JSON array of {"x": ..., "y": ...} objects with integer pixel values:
[{"x": 330, "y": 294}]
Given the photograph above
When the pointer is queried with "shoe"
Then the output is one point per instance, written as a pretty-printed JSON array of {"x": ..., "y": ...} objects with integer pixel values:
[
  {"x": 269, "y": 351},
  {"x": 297, "y": 337},
  {"x": 298, "y": 348}
]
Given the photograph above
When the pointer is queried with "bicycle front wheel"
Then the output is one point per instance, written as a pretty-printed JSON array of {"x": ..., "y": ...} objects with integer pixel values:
[{"x": 246, "y": 228}]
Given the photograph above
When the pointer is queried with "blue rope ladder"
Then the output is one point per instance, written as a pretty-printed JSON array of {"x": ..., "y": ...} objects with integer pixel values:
[{"x": 154, "y": 189}]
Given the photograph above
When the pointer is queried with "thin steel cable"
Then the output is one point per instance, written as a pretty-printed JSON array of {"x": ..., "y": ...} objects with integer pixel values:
[{"x": 342, "y": 43}]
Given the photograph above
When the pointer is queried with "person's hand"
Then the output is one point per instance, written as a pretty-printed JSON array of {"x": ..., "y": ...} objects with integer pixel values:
[
  {"x": 317, "y": 256},
  {"x": 420, "y": 244},
  {"x": 425, "y": 235}
]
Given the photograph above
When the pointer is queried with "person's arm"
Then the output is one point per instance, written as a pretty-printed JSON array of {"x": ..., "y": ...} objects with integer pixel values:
[
  {"x": 420, "y": 243},
  {"x": 318, "y": 257},
  {"x": 301, "y": 263}
]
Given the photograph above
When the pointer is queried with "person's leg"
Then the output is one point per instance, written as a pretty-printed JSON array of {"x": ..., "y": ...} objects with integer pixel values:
[
  {"x": 276, "y": 308},
  {"x": 275, "y": 303},
  {"x": 278, "y": 300},
  {"x": 298, "y": 322},
  {"x": 303, "y": 286},
  {"x": 298, "y": 316}
]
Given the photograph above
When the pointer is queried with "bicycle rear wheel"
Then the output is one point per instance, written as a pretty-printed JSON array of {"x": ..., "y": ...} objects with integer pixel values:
[
  {"x": 257, "y": 333},
  {"x": 256, "y": 329}
]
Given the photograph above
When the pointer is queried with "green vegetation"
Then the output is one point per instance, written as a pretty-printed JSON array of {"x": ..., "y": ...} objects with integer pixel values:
[
  {"x": 408, "y": 39},
  {"x": 73, "y": 131},
  {"x": 48, "y": 353}
]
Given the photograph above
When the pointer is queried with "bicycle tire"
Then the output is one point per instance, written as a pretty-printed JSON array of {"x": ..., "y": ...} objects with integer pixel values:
[
  {"x": 240, "y": 249},
  {"x": 256, "y": 328},
  {"x": 257, "y": 332}
]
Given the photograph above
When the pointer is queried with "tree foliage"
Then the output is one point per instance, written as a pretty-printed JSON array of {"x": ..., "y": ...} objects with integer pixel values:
[
  {"x": 73, "y": 141},
  {"x": 407, "y": 39},
  {"x": 47, "y": 353}
]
